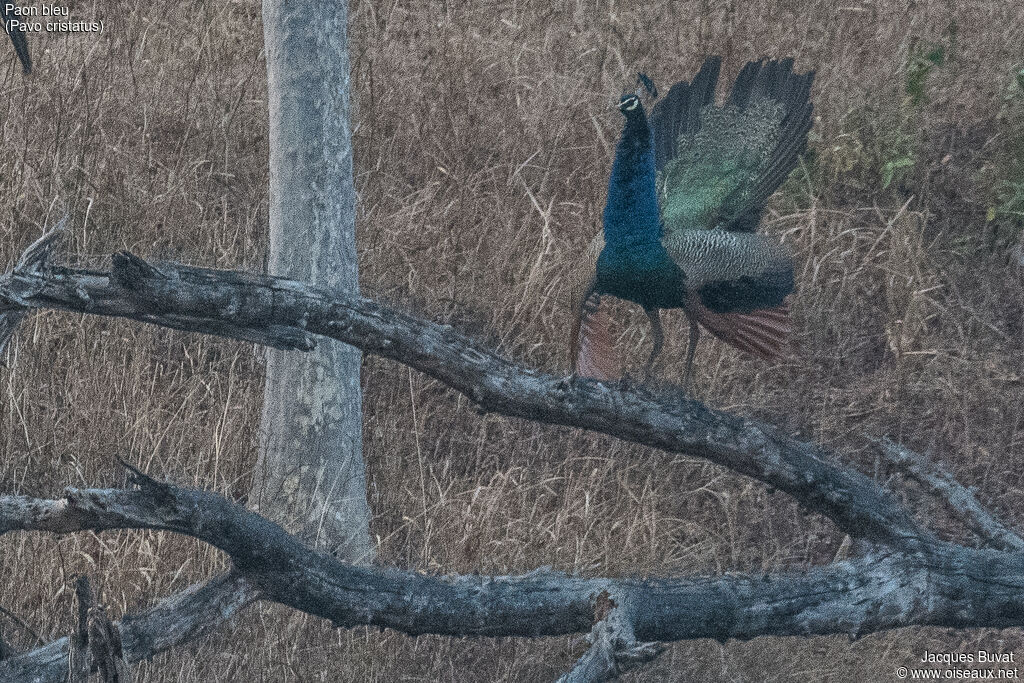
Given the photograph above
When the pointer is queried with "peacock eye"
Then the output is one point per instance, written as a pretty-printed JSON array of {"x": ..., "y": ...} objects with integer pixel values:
[{"x": 629, "y": 104}]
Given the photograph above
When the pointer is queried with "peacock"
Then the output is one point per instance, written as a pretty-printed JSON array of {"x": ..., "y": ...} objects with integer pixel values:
[
  {"x": 17, "y": 36},
  {"x": 687, "y": 189}
]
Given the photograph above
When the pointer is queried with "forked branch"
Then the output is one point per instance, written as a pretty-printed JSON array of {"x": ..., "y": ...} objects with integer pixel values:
[{"x": 910, "y": 578}]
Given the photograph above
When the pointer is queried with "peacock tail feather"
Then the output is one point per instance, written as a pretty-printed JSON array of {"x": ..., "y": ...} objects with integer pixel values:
[{"x": 725, "y": 162}]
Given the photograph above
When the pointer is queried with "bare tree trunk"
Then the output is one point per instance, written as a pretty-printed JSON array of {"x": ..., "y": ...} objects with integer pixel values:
[{"x": 310, "y": 473}]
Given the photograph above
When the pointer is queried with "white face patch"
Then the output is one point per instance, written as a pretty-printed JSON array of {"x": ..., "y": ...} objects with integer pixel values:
[{"x": 632, "y": 105}]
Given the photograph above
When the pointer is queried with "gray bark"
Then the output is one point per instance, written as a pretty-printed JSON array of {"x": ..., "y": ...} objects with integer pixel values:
[
  {"x": 613, "y": 646},
  {"x": 960, "y": 499},
  {"x": 310, "y": 473},
  {"x": 284, "y": 313},
  {"x": 174, "y": 621},
  {"x": 940, "y": 584},
  {"x": 32, "y": 260},
  {"x": 906, "y": 576}
]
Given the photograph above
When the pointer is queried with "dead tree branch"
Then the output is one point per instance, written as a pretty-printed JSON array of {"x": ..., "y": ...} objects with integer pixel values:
[
  {"x": 911, "y": 578},
  {"x": 174, "y": 621},
  {"x": 33, "y": 260},
  {"x": 78, "y": 647},
  {"x": 613, "y": 646},
  {"x": 96, "y": 645},
  {"x": 286, "y": 314},
  {"x": 941, "y": 584}
]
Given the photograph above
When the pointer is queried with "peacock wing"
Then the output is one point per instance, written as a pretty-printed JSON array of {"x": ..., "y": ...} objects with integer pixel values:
[
  {"x": 596, "y": 356},
  {"x": 677, "y": 114}
]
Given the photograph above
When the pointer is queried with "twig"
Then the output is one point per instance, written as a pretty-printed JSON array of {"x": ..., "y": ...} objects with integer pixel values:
[
  {"x": 6, "y": 651},
  {"x": 105, "y": 649},
  {"x": 22, "y": 624},
  {"x": 614, "y": 649},
  {"x": 78, "y": 652},
  {"x": 174, "y": 621},
  {"x": 32, "y": 260},
  {"x": 959, "y": 498}
]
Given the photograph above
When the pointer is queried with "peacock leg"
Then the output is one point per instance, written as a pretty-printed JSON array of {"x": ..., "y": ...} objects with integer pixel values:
[
  {"x": 690, "y": 351},
  {"x": 659, "y": 339}
]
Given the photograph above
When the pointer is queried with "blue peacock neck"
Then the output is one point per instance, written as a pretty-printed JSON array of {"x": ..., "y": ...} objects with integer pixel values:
[
  {"x": 634, "y": 265},
  {"x": 631, "y": 215}
]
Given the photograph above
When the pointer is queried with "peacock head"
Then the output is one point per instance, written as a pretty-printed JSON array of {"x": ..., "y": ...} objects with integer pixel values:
[{"x": 630, "y": 105}]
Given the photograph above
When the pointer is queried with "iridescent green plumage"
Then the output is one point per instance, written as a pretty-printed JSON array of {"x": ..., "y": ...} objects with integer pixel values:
[
  {"x": 717, "y": 166},
  {"x": 710, "y": 179}
]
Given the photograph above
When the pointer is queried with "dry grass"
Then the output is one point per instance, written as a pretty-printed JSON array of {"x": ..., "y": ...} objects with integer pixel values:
[{"x": 483, "y": 136}]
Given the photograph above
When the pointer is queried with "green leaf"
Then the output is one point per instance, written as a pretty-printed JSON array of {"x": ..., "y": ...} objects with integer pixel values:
[
  {"x": 937, "y": 56},
  {"x": 889, "y": 169}
]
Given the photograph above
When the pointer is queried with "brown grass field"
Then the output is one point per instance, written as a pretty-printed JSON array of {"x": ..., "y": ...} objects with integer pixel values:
[{"x": 484, "y": 135}]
